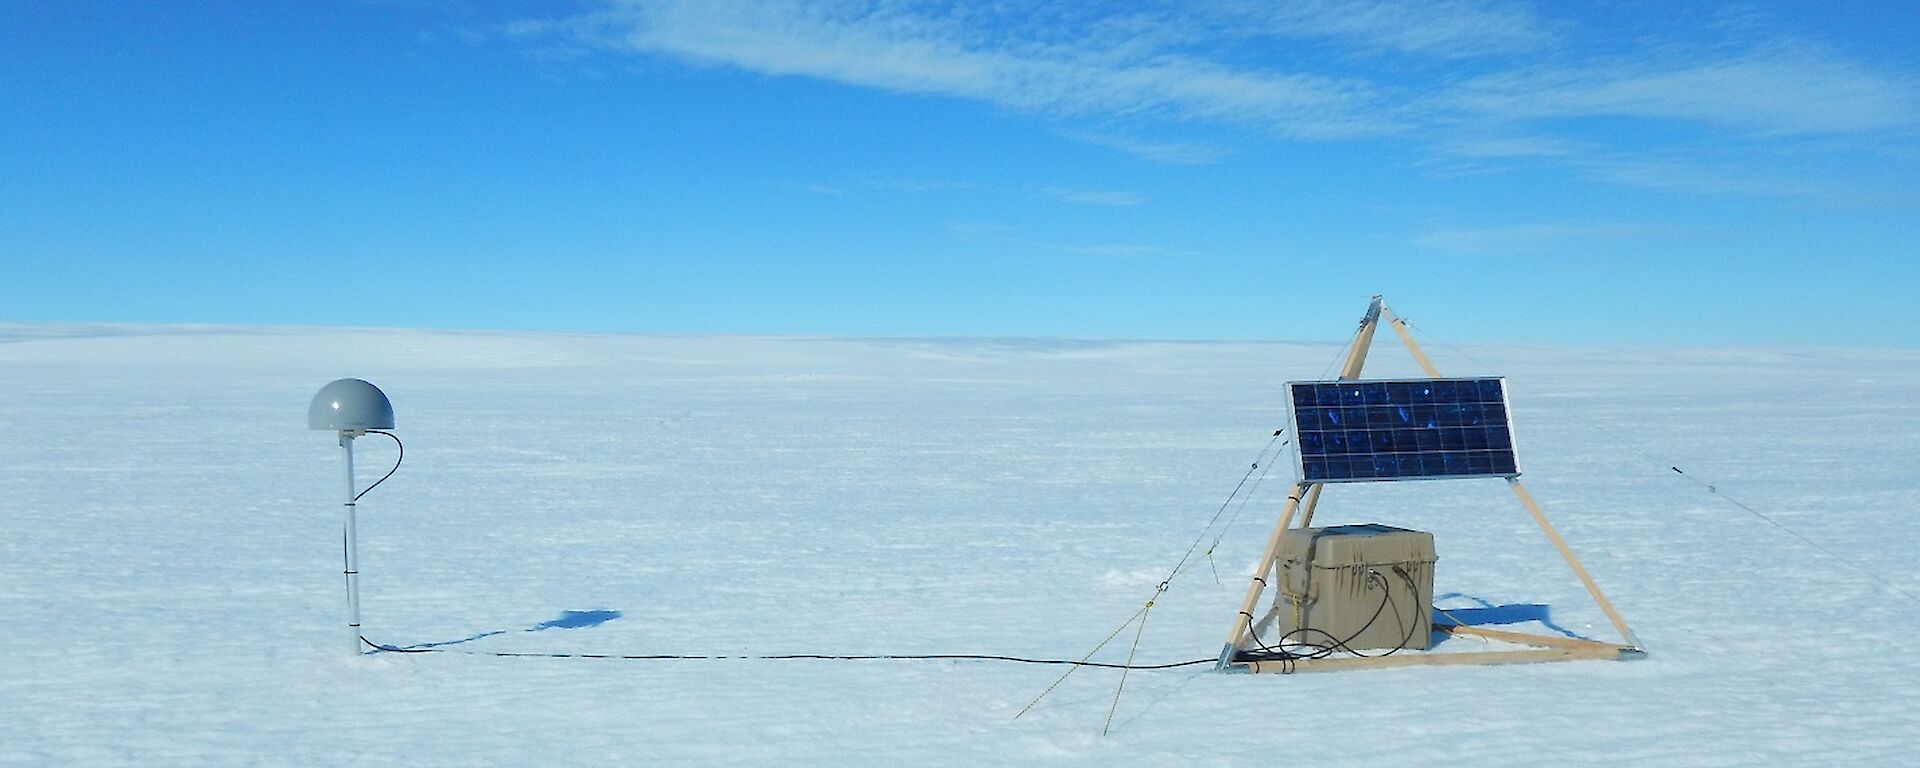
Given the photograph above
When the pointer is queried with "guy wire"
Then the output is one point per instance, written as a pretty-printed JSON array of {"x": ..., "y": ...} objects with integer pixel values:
[{"x": 1715, "y": 490}]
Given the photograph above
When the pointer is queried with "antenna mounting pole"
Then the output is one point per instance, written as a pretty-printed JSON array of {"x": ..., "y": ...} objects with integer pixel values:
[{"x": 350, "y": 540}]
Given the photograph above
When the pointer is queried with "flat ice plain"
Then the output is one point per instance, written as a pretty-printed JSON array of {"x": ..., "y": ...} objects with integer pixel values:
[{"x": 169, "y": 553}]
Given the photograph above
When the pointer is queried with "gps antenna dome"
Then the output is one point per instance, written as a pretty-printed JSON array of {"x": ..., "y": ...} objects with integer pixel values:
[{"x": 351, "y": 407}]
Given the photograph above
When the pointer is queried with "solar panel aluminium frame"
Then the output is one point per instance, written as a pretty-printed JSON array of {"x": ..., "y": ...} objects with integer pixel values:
[{"x": 1299, "y": 457}]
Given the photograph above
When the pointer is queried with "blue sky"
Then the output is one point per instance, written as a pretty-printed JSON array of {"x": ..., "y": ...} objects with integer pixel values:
[{"x": 1606, "y": 172}]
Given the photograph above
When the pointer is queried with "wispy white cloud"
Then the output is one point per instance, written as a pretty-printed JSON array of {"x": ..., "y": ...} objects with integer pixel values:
[
  {"x": 1511, "y": 146},
  {"x": 1055, "y": 64},
  {"x": 1169, "y": 61},
  {"x": 1108, "y": 197},
  {"x": 1173, "y": 152},
  {"x": 1445, "y": 28},
  {"x": 1524, "y": 238},
  {"x": 1686, "y": 174},
  {"x": 1695, "y": 177},
  {"x": 1775, "y": 91},
  {"x": 1712, "y": 121},
  {"x": 1498, "y": 85}
]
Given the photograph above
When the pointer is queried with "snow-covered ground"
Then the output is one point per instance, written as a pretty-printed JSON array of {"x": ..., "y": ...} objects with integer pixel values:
[{"x": 169, "y": 553}]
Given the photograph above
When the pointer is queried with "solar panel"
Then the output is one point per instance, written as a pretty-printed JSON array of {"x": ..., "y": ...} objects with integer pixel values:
[{"x": 1401, "y": 429}]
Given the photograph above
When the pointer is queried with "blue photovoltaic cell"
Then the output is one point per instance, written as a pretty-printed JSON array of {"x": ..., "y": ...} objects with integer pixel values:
[{"x": 1397, "y": 430}]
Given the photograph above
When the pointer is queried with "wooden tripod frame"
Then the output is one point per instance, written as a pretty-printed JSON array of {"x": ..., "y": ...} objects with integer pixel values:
[{"x": 1305, "y": 495}]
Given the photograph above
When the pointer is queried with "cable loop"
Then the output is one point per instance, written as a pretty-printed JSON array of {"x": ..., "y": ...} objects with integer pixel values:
[{"x": 396, "y": 462}]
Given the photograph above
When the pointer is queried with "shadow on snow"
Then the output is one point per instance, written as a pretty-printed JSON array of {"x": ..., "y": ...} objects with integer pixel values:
[
  {"x": 566, "y": 620},
  {"x": 1488, "y": 613}
]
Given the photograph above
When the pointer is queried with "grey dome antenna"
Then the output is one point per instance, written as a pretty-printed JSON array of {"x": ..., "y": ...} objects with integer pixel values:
[{"x": 352, "y": 407}]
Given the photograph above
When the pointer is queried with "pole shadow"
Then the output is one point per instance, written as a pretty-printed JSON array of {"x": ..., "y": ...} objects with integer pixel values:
[{"x": 566, "y": 620}]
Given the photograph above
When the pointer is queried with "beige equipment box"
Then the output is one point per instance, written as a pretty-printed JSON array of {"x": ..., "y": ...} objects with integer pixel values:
[{"x": 1335, "y": 580}]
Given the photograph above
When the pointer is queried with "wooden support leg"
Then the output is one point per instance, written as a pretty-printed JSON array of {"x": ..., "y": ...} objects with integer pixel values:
[
  {"x": 1362, "y": 341},
  {"x": 1561, "y": 544},
  {"x": 1356, "y": 359},
  {"x": 1237, "y": 636},
  {"x": 1306, "y": 508},
  {"x": 1400, "y": 327}
]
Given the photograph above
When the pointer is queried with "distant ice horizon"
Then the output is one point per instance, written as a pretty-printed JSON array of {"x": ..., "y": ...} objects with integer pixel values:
[{"x": 25, "y": 330}]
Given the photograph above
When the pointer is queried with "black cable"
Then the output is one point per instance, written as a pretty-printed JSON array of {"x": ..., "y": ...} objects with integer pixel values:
[
  {"x": 396, "y": 462},
  {"x": 1341, "y": 644},
  {"x": 402, "y": 448},
  {"x": 1316, "y": 650},
  {"x": 786, "y": 657},
  {"x": 1412, "y": 625},
  {"x": 1287, "y": 657}
]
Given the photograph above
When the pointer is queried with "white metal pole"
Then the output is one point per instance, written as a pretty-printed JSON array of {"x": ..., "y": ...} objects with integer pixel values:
[{"x": 351, "y": 544}]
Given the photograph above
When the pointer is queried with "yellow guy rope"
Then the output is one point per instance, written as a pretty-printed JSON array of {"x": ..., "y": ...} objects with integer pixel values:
[{"x": 1096, "y": 649}]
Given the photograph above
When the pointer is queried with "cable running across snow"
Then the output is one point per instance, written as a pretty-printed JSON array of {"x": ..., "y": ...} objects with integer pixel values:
[
  {"x": 782, "y": 657},
  {"x": 1185, "y": 561}
]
